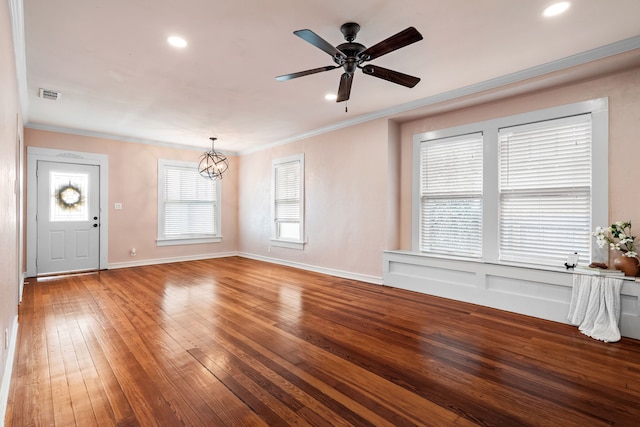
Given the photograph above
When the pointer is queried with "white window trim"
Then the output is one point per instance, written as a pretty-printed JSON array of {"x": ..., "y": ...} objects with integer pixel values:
[
  {"x": 164, "y": 241},
  {"x": 599, "y": 110},
  {"x": 287, "y": 243}
]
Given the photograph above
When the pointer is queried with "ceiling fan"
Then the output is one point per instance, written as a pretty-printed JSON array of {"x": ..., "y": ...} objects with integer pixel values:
[{"x": 351, "y": 56}]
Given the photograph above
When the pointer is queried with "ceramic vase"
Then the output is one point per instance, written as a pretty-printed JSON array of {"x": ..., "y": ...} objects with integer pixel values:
[{"x": 629, "y": 266}]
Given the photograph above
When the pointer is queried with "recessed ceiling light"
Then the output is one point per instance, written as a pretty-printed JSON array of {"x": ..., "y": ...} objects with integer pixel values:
[
  {"x": 556, "y": 9},
  {"x": 331, "y": 97},
  {"x": 177, "y": 41}
]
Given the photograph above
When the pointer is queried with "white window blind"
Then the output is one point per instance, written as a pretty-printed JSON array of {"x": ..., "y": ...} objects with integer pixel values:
[
  {"x": 451, "y": 195},
  {"x": 545, "y": 190},
  {"x": 288, "y": 200},
  {"x": 189, "y": 204}
]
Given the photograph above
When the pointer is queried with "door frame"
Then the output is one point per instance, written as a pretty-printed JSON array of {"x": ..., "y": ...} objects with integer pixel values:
[{"x": 36, "y": 154}]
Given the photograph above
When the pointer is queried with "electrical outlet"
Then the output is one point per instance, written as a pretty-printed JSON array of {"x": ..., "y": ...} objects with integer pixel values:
[{"x": 133, "y": 252}]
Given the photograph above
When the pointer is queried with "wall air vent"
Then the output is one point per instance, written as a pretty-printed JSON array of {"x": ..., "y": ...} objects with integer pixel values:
[{"x": 50, "y": 94}]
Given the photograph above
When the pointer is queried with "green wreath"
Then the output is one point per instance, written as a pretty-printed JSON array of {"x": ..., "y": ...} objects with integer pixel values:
[{"x": 69, "y": 196}]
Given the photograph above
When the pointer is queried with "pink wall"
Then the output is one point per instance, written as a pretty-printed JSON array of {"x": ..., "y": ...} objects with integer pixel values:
[
  {"x": 133, "y": 169},
  {"x": 364, "y": 174},
  {"x": 10, "y": 134},
  {"x": 623, "y": 91},
  {"x": 357, "y": 181},
  {"x": 347, "y": 199}
]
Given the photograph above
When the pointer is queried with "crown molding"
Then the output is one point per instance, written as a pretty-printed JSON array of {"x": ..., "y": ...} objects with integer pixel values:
[
  {"x": 91, "y": 134},
  {"x": 582, "y": 58},
  {"x": 518, "y": 77}
]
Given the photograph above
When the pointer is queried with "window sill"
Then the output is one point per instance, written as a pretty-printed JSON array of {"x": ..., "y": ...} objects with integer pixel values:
[
  {"x": 290, "y": 244},
  {"x": 465, "y": 263},
  {"x": 187, "y": 241},
  {"x": 469, "y": 261}
]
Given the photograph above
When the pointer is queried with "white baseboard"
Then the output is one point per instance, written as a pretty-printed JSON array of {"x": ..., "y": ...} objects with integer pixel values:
[
  {"x": 329, "y": 271},
  {"x": 8, "y": 369},
  {"x": 143, "y": 262},
  {"x": 323, "y": 270}
]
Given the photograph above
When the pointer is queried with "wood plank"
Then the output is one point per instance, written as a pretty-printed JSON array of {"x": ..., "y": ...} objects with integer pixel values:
[
  {"x": 185, "y": 384},
  {"x": 240, "y": 342}
]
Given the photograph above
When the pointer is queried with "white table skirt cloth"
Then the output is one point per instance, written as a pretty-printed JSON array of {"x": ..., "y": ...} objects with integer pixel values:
[{"x": 595, "y": 306}]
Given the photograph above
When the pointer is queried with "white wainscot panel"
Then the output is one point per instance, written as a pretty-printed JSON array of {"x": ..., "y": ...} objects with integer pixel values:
[
  {"x": 527, "y": 288},
  {"x": 534, "y": 292},
  {"x": 435, "y": 274}
]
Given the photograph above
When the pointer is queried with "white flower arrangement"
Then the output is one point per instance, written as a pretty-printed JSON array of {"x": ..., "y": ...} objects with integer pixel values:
[{"x": 618, "y": 237}]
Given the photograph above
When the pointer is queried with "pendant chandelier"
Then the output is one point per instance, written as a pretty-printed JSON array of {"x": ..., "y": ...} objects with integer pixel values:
[{"x": 213, "y": 164}]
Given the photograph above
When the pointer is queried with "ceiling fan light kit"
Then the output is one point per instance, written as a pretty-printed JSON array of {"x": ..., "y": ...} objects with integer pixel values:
[{"x": 351, "y": 56}]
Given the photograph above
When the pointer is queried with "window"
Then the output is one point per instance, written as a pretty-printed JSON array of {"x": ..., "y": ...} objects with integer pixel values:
[
  {"x": 288, "y": 202},
  {"x": 188, "y": 205},
  {"x": 451, "y": 195},
  {"x": 545, "y": 190},
  {"x": 523, "y": 189}
]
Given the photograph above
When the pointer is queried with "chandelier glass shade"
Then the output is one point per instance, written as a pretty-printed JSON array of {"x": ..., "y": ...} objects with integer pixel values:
[{"x": 213, "y": 164}]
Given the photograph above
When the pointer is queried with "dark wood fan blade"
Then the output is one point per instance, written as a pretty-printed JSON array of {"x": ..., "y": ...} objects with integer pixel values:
[
  {"x": 391, "y": 76},
  {"x": 319, "y": 42},
  {"x": 395, "y": 42},
  {"x": 345, "y": 87},
  {"x": 305, "y": 73}
]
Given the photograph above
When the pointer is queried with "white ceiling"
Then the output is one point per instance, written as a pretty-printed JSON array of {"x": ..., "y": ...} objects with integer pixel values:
[{"x": 118, "y": 76}]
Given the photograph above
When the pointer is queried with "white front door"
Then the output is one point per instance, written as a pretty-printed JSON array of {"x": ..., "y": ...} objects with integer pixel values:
[{"x": 68, "y": 217}]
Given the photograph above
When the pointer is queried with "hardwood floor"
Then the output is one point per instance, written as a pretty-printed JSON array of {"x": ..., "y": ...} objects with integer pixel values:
[{"x": 239, "y": 342}]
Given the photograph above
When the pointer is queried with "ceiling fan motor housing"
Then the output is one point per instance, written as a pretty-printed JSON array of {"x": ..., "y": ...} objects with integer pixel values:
[{"x": 353, "y": 59}]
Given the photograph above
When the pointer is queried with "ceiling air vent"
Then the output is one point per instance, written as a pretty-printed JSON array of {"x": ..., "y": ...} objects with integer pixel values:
[{"x": 50, "y": 94}]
